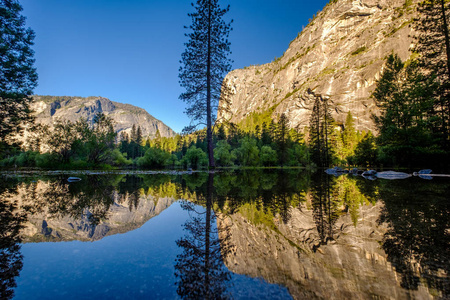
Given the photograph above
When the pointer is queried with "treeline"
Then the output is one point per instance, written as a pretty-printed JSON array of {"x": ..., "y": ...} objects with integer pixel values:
[
  {"x": 266, "y": 143},
  {"x": 69, "y": 145}
]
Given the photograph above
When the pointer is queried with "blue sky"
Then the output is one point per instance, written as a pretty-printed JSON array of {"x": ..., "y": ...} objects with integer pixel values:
[{"x": 129, "y": 50}]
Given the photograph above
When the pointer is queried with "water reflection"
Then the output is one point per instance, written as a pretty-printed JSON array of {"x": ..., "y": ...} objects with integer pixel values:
[
  {"x": 11, "y": 220},
  {"x": 317, "y": 235},
  {"x": 200, "y": 270},
  {"x": 418, "y": 234}
]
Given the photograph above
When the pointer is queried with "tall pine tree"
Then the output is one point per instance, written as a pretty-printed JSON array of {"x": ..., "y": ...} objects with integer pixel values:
[
  {"x": 433, "y": 45},
  {"x": 204, "y": 65},
  {"x": 18, "y": 76},
  {"x": 321, "y": 132}
]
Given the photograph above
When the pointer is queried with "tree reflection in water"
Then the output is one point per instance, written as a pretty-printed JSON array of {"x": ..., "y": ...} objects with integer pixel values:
[
  {"x": 416, "y": 213},
  {"x": 418, "y": 238},
  {"x": 200, "y": 269},
  {"x": 11, "y": 222},
  {"x": 324, "y": 209}
]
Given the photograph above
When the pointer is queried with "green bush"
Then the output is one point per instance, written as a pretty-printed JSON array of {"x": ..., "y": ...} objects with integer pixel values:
[
  {"x": 195, "y": 158},
  {"x": 248, "y": 152},
  {"x": 223, "y": 155},
  {"x": 298, "y": 155},
  {"x": 46, "y": 160},
  {"x": 268, "y": 156},
  {"x": 154, "y": 158},
  {"x": 119, "y": 159}
]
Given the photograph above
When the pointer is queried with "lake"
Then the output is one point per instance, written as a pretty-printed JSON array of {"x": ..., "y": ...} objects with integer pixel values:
[{"x": 256, "y": 234}]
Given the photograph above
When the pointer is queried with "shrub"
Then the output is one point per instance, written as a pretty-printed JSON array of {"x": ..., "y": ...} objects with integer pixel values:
[
  {"x": 195, "y": 157},
  {"x": 268, "y": 156},
  {"x": 222, "y": 154},
  {"x": 154, "y": 158}
]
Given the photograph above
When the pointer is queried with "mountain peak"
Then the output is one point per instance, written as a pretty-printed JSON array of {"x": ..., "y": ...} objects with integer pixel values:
[{"x": 50, "y": 108}]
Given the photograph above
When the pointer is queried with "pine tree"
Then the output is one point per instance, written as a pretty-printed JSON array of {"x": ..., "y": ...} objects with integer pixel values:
[
  {"x": 406, "y": 117},
  {"x": 433, "y": 45},
  {"x": 133, "y": 136},
  {"x": 321, "y": 132},
  {"x": 282, "y": 138},
  {"x": 204, "y": 65},
  {"x": 349, "y": 137},
  {"x": 18, "y": 76},
  {"x": 139, "y": 135}
]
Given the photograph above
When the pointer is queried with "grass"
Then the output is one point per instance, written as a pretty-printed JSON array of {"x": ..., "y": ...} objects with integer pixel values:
[{"x": 359, "y": 50}]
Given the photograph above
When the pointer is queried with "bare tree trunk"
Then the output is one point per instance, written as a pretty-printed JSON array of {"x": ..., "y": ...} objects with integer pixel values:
[
  {"x": 209, "y": 200},
  {"x": 208, "y": 96}
]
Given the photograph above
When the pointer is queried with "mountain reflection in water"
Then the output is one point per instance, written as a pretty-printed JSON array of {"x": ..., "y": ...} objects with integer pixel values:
[{"x": 316, "y": 235}]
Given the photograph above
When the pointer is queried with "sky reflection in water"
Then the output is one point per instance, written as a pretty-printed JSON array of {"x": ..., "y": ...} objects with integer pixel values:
[{"x": 309, "y": 236}]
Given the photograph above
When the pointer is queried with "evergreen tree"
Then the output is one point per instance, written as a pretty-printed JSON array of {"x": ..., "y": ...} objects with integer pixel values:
[
  {"x": 133, "y": 135},
  {"x": 349, "y": 137},
  {"x": 406, "y": 119},
  {"x": 265, "y": 135},
  {"x": 204, "y": 65},
  {"x": 282, "y": 138},
  {"x": 321, "y": 131},
  {"x": 433, "y": 45},
  {"x": 139, "y": 135},
  {"x": 18, "y": 76}
]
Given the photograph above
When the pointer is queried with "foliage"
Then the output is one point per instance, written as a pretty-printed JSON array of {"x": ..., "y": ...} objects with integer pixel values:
[
  {"x": 195, "y": 157},
  {"x": 154, "y": 158},
  {"x": 248, "y": 152},
  {"x": 18, "y": 76},
  {"x": 408, "y": 125},
  {"x": 322, "y": 126},
  {"x": 366, "y": 152},
  {"x": 359, "y": 50},
  {"x": 223, "y": 155},
  {"x": 268, "y": 156},
  {"x": 433, "y": 46},
  {"x": 298, "y": 155}
]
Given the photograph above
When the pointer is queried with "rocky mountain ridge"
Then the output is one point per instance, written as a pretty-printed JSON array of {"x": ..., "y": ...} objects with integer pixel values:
[
  {"x": 340, "y": 55},
  {"x": 49, "y": 108}
]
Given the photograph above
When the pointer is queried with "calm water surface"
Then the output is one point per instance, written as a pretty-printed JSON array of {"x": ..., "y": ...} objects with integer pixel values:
[{"x": 244, "y": 235}]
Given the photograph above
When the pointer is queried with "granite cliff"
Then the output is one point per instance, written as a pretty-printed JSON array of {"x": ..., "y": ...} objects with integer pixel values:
[
  {"x": 340, "y": 54},
  {"x": 50, "y": 108}
]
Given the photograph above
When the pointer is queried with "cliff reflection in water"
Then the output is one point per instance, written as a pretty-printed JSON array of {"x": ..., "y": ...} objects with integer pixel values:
[
  {"x": 323, "y": 236},
  {"x": 11, "y": 219},
  {"x": 314, "y": 234}
]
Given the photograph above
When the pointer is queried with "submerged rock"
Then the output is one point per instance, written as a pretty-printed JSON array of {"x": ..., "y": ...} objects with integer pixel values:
[
  {"x": 73, "y": 179},
  {"x": 370, "y": 177},
  {"x": 336, "y": 171},
  {"x": 426, "y": 171},
  {"x": 369, "y": 173},
  {"x": 392, "y": 175}
]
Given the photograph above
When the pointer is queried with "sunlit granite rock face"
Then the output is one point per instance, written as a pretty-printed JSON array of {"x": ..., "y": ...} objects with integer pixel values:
[
  {"x": 340, "y": 54},
  {"x": 349, "y": 262},
  {"x": 50, "y": 108}
]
